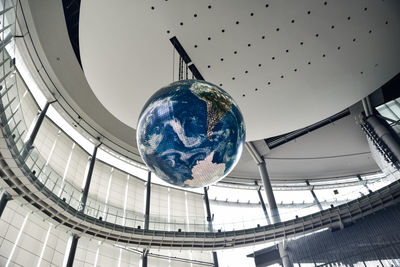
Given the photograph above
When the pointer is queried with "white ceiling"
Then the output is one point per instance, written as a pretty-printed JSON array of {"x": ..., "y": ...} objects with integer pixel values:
[{"x": 352, "y": 47}]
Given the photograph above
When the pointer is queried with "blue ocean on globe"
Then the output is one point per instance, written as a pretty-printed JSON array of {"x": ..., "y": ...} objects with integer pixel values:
[{"x": 191, "y": 133}]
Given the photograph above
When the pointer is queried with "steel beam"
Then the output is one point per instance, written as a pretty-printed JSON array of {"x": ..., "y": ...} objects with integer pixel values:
[
  {"x": 32, "y": 137},
  {"x": 147, "y": 216},
  {"x": 88, "y": 179},
  {"x": 71, "y": 255}
]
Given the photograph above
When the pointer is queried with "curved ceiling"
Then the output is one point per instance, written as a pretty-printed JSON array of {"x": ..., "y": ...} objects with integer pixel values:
[
  {"x": 288, "y": 64},
  {"x": 336, "y": 150}
]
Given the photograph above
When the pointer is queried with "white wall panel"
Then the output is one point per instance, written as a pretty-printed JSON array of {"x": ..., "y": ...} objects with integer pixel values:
[
  {"x": 108, "y": 255},
  {"x": 77, "y": 166},
  {"x": 136, "y": 191},
  {"x": 85, "y": 252},
  {"x": 55, "y": 248},
  {"x": 135, "y": 202},
  {"x": 59, "y": 157},
  {"x": 45, "y": 138},
  {"x": 11, "y": 220},
  {"x": 117, "y": 188},
  {"x": 99, "y": 182},
  {"x": 178, "y": 208},
  {"x": 159, "y": 207},
  {"x": 196, "y": 208},
  {"x": 27, "y": 104},
  {"x": 129, "y": 259}
]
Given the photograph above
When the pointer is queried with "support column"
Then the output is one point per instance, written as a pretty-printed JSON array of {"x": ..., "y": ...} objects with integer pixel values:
[
  {"x": 71, "y": 255},
  {"x": 147, "y": 210},
  {"x": 314, "y": 196},
  {"x": 273, "y": 208},
  {"x": 367, "y": 106},
  {"x": 147, "y": 216},
  {"x": 262, "y": 167},
  {"x": 85, "y": 191},
  {"x": 4, "y": 198},
  {"x": 35, "y": 130},
  {"x": 209, "y": 220},
  {"x": 262, "y": 203},
  {"x": 144, "y": 258},
  {"x": 365, "y": 185},
  {"x": 284, "y": 255},
  {"x": 208, "y": 210},
  {"x": 385, "y": 135}
]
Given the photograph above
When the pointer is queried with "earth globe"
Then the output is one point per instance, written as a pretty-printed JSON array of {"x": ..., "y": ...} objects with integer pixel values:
[{"x": 190, "y": 133}]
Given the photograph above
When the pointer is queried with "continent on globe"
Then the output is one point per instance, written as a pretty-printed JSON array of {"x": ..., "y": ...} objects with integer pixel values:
[
  {"x": 217, "y": 104},
  {"x": 190, "y": 133}
]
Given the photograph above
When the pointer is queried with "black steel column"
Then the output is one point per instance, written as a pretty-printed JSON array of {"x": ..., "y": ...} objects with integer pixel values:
[
  {"x": 147, "y": 216},
  {"x": 144, "y": 258},
  {"x": 314, "y": 196},
  {"x": 209, "y": 220},
  {"x": 71, "y": 255},
  {"x": 147, "y": 211},
  {"x": 32, "y": 137},
  {"x": 262, "y": 203},
  {"x": 88, "y": 179},
  {"x": 208, "y": 210},
  {"x": 5, "y": 197}
]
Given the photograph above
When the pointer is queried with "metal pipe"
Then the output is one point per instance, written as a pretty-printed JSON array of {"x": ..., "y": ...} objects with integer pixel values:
[{"x": 262, "y": 167}]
